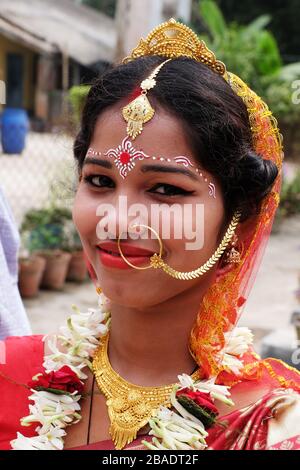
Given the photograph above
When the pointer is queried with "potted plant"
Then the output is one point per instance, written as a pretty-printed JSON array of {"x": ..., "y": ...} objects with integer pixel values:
[
  {"x": 77, "y": 271},
  {"x": 31, "y": 269},
  {"x": 45, "y": 229}
]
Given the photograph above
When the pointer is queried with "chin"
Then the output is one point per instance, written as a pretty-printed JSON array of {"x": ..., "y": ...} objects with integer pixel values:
[
  {"x": 126, "y": 293},
  {"x": 117, "y": 290}
]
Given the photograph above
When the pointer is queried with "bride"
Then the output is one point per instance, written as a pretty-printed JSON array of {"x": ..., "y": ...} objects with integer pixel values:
[{"x": 160, "y": 362}]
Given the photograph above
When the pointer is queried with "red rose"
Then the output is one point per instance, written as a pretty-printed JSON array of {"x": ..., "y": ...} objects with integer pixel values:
[
  {"x": 64, "y": 379},
  {"x": 201, "y": 399}
]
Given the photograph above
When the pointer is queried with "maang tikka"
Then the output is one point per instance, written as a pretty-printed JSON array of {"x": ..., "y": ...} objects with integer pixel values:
[{"x": 139, "y": 111}]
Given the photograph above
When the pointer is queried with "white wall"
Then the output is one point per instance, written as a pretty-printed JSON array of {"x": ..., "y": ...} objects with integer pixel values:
[{"x": 136, "y": 18}]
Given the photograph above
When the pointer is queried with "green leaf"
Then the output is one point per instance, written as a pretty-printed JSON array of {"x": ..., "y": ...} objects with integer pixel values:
[
  {"x": 213, "y": 18},
  {"x": 206, "y": 417},
  {"x": 77, "y": 98},
  {"x": 268, "y": 60},
  {"x": 52, "y": 390},
  {"x": 258, "y": 24}
]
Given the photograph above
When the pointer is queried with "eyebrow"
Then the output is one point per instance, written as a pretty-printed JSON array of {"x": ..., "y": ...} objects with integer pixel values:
[
  {"x": 144, "y": 168},
  {"x": 97, "y": 161},
  {"x": 169, "y": 169}
]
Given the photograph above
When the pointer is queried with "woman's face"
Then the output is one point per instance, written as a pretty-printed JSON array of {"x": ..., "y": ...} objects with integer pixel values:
[{"x": 190, "y": 234}]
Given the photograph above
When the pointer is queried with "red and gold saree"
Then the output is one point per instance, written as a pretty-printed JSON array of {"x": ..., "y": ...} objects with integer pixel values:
[{"x": 272, "y": 422}]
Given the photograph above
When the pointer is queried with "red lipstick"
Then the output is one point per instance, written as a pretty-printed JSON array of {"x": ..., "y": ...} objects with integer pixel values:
[{"x": 110, "y": 256}]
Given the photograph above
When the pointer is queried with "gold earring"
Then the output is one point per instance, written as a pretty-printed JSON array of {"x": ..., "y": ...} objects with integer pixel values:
[
  {"x": 233, "y": 255},
  {"x": 156, "y": 260},
  {"x": 98, "y": 290}
]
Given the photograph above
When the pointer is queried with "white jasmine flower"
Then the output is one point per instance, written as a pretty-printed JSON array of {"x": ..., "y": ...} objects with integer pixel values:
[
  {"x": 232, "y": 363},
  {"x": 186, "y": 381},
  {"x": 50, "y": 441},
  {"x": 51, "y": 410},
  {"x": 175, "y": 432},
  {"x": 54, "y": 412},
  {"x": 217, "y": 392},
  {"x": 237, "y": 341},
  {"x": 80, "y": 339}
]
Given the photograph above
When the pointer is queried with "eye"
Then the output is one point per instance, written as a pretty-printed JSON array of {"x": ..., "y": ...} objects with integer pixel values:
[
  {"x": 99, "y": 181},
  {"x": 170, "y": 190}
]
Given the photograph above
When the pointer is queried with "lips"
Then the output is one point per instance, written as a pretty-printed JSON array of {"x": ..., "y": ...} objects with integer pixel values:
[
  {"x": 127, "y": 250},
  {"x": 110, "y": 257}
]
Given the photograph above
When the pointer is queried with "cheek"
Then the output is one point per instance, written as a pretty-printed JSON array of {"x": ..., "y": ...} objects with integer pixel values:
[
  {"x": 213, "y": 220},
  {"x": 84, "y": 214},
  {"x": 202, "y": 223}
]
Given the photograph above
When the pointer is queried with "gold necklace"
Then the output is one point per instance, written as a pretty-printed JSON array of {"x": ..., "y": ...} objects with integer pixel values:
[{"x": 129, "y": 406}]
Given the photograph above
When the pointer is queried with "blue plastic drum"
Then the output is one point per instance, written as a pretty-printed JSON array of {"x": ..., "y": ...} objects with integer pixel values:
[{"x": 14, "y": 129}]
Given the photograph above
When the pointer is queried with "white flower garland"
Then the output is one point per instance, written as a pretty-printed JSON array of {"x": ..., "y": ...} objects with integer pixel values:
[{"x": 176, "y": 429}]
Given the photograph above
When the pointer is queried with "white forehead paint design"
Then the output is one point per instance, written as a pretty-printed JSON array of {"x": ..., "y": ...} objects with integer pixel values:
[{"x": 125, "y": 155}]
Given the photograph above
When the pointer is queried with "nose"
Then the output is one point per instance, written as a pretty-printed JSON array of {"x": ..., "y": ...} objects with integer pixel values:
[
  {"x": 126, "y": 217},
  {"x": 128, "y": 228}
]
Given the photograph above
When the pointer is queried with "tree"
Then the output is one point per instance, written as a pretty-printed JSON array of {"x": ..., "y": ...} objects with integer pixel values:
[
  {"x": 284, "y": 23},
  {"x": 248, "y": 50}
]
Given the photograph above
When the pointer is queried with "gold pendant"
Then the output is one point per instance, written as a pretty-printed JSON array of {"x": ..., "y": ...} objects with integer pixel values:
[
  {"x": 136, "y": 113},
  {"x": 129, "y": 406}
]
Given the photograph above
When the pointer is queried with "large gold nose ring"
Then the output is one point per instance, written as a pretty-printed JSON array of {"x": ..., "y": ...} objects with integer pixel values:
[{"x": 154, "y": 258}]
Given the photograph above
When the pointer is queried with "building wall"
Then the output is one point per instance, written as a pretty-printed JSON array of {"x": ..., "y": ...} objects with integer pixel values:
[
  {"x": 135, "y": 19},
  {"x": 8, "y": 46}
]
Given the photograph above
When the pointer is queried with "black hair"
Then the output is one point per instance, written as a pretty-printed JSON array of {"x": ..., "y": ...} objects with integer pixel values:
[{"x": 214, "y": 118}]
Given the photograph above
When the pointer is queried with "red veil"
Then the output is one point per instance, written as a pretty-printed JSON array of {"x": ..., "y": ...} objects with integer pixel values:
[{"x": 225, "y": 299}]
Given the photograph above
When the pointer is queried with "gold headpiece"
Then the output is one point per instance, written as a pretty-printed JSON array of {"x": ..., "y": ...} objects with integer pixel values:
[
  {"x": 173, "y": 39},
  {"x": 170, "y": 39}
]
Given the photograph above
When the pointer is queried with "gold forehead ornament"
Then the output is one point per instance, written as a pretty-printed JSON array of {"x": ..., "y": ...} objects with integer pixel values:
[{"x": 139, "y": 111}]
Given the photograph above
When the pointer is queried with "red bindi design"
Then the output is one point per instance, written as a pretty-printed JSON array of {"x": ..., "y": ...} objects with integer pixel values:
[{"x": 125, "y": 155}]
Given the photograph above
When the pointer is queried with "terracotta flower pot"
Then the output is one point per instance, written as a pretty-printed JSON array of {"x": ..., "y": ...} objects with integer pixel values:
[
  {"x": 30, "y": 275},
  {"x": 57, "y": 264},
  {"x": 77, "y": 268}
]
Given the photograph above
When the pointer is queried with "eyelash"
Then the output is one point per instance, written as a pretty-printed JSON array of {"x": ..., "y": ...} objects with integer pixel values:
[
  {"x": 176, "y": 190},
  {"x": 89, "y": 180}
]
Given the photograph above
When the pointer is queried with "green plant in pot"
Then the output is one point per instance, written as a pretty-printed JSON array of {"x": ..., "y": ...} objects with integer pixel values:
[{"x": 45, "y": 234}]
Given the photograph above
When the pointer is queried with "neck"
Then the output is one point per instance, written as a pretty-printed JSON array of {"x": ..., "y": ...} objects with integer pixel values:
[{"x": 150, "y": 347}]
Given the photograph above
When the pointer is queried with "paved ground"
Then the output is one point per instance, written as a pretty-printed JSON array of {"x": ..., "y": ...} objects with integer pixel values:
[{"x": 270, "y": 304}]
